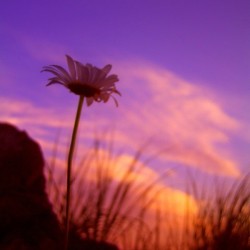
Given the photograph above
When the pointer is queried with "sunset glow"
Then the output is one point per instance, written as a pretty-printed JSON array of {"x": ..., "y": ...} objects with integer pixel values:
[{"x": 183, "y": 71}]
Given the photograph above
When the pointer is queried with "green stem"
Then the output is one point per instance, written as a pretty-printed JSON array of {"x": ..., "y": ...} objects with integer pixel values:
[{"x": 70, "y": 157}]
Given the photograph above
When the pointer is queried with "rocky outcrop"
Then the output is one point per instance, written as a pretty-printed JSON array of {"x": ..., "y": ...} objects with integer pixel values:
[{"x": 27, "y": 220}]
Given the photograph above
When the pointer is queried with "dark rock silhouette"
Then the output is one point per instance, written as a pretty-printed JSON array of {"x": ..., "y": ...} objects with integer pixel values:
[
  {"x": 26, "y": 217},
  {"x": 27, "y": 220}
]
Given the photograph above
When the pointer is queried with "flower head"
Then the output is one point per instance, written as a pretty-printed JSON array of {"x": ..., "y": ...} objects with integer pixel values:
[{"x": 85, "y": 80}]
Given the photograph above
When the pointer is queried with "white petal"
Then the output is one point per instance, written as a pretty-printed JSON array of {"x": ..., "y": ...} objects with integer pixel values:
[
  {"x": 103, "y": 72},
  {"x": 71, "y": 65},
  {"x": 55, "y": 82},
  {"x": 108, "y": 82},
  {"x": 60, "y": 75},
  {"x": 84, "y": 73},
  {"x": 89, "y": 67},
  {"x": 63, "y": 71},
  {"x": 89, "y": 100},
  {"x": 105, "y": 97},
  {"x": 107, "y": 68},
  {"x": 56, "y": 79},
  {"x": 116, "y": 102}
]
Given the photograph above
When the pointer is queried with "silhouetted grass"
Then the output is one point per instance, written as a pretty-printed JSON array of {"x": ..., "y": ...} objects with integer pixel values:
[
  {"x": 223, "y": 221},
  {"x": 116, "y": 210},
  {"x": 105, "y": 208}
]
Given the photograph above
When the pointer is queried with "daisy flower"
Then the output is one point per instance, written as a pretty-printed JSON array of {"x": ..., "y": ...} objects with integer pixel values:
[{"x": 85, "y": 80}]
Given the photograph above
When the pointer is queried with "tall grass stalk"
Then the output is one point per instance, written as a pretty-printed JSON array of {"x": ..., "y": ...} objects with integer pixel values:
[{"x": 223, "y": 221}]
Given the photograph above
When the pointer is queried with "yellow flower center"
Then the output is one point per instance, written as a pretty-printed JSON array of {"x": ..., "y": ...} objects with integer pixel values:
[{"x": 83, "y": 89}]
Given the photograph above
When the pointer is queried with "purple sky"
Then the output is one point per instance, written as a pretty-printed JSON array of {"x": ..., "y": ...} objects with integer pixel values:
[{"x": 183, "y": 69}]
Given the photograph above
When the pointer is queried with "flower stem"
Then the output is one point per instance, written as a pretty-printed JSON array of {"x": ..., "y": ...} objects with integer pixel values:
[{"x": 70, "y": 157}]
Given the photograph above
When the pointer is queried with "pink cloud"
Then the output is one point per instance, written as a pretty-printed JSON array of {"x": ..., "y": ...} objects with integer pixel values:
[
  {"x": 44, "y": 50},
  {"x": 6, "y": 75},
  {"x": 181, "y": 116}
]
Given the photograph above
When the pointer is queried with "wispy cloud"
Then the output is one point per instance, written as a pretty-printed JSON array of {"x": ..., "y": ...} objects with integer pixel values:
[
  {"x": 43, "y": 50},
  {"x": 41, "y": 123},
  {"x": 6, "y": 75},
  {"x": 182, "y": 117}
]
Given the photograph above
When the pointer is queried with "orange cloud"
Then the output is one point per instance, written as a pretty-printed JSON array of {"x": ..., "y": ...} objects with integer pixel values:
[
  {"x": 104, "y": 173},
  {"x": 145, "y": 185}
]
